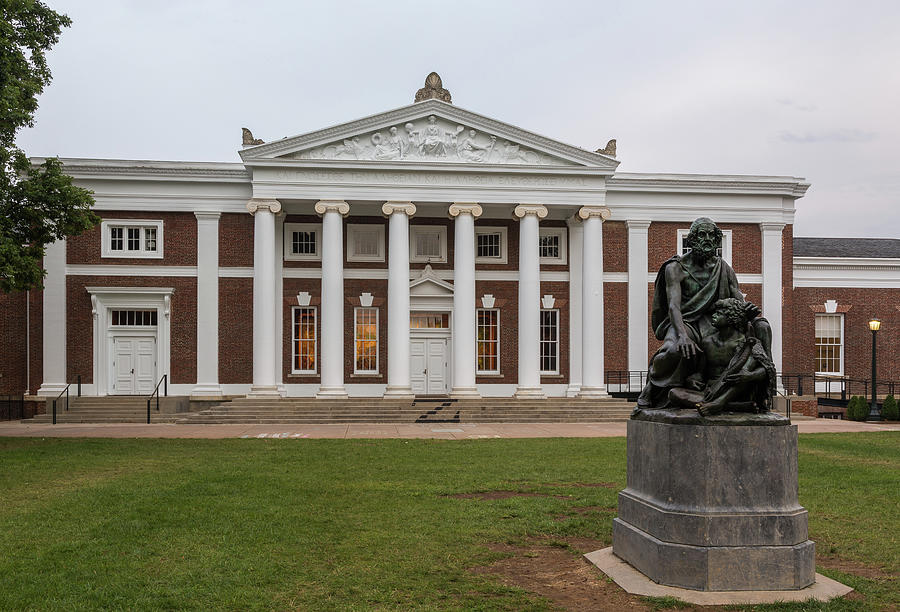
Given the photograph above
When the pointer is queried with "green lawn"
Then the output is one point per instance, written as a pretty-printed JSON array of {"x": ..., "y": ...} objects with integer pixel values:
[{"x": 360, "y": 524}]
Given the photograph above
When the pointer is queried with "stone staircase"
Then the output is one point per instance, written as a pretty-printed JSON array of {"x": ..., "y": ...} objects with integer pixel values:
[
  {"x": 109, "y": 409},
  {"x": 437, "y": 410}
]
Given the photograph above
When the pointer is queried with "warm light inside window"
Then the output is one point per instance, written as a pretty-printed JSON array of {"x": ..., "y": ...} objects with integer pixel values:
[{"x": 874, "y": 325}]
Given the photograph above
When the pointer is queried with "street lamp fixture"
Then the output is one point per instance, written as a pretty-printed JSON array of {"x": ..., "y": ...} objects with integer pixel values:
[{"x": 874, "y": 411}]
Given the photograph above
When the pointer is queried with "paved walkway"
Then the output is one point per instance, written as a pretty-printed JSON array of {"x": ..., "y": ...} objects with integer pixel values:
[{"x": 446, "y": 431}]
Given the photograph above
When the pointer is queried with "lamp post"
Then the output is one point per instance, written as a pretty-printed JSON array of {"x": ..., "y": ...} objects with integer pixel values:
[{"x": 874, "y": 412}]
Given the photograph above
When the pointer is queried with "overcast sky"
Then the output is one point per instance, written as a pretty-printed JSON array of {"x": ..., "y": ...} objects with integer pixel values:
[{"x": 809, "y": 89}]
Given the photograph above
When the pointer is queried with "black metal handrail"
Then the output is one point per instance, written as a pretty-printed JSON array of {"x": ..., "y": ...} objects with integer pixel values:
[
  {"x": 830, "y": 386},
  {"x": 66, "y": 391},
  {"x": 164, "y": 381}
]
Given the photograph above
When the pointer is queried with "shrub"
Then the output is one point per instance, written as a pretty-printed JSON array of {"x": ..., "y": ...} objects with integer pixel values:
[
  {"x": 889, "y": 409},
  {"x": 857, "y": 409}
]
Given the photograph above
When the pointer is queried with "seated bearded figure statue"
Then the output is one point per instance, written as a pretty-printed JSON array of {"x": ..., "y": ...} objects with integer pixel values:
[{"x": 736, "y": 366}]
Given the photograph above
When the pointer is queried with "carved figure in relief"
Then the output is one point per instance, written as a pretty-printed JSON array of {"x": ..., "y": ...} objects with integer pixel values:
[
  {"x": 687, "y": 289},
  {"x": 387, "y": 148},
  {"x": 470, "y": 150},
  {"x": 351, "y": 147},
  {"x": 433, "y": 139}
]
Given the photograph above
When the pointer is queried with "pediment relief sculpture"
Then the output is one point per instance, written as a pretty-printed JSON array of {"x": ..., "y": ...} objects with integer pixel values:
[{"x": 430, "y": 139}]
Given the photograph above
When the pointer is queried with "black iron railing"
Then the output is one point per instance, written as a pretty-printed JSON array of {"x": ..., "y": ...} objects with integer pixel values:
[
  {"x": 164, "y": 381},
  {"x": 12, "y": 407}
]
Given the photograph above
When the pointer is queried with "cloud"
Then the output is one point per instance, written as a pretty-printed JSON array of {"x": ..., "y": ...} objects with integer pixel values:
[
  {"x": 844, "y": 135},
  {"x": 805, "y": 108}
]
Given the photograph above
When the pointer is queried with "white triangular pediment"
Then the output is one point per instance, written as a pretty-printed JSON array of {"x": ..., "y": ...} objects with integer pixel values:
[
  {"x": 428, "y": 284},
  {"x": 428, "y": 132}
]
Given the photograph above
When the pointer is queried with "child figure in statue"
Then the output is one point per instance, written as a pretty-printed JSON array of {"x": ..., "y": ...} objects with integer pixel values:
[{"x": 739, "y": 371}]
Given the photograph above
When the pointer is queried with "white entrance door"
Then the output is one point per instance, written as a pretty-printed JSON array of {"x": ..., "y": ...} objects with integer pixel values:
[
  {"x": 134, "y": 365},
  {"x": 428, "y": 366}
]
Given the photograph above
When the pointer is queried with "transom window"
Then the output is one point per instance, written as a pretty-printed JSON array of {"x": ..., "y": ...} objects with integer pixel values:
[
  {"x": 428, "y": 243},
  {"x": 303, "y": 241},
  {"x": 365, "y": 242},
  {"x": 488, "y": 345},
  {"x": 829, "y": 344},
  {"x": 133, "y": 317},
  {"x": 429, "y": 320},
  {"x": 303, "y": 343},
  {"x": 549, "y": 341},
  {"x": 131, "y": 238},
  {"x": 365, "y": 337},
  {"x": 552, "y": 245}
]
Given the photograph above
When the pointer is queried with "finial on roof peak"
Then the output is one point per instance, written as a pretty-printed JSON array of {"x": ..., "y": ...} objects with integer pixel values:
[
  {"x": 610, "y": 148},
  {"x": 434, "y": 89},
  {"x": 248, "y": 140}
]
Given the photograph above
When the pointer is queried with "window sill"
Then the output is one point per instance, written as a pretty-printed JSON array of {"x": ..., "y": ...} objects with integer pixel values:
[
  {"x": 489, "y": 374},
  {"x": 303, "y": 375},
  {"x": 365, "y": 375}
]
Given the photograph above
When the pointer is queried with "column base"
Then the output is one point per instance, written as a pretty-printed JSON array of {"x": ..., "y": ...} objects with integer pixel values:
[
  {"x": 54, "y": 389},
  {"x": 529, "y": 393},
  {"x": 264, "y": 391},
  {"x": 589, "y": 392},
  {"x": 465, "y": 393},
  {"x": 206, "y": 390},
  {"x": 573, "y": 390},
  {"x": 398, "y": 392},
  {"x": 332, "y": 393}
]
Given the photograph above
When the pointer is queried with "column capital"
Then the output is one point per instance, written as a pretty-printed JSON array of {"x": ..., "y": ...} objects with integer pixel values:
[
  {"x": 389, "y": 208},
  {"x": 601, "y": 212},
  {"x": 268, "y": 204},
  {"x": 522, "y": 210},
  {"x": 208, "y": 216},
  {"x": 465, "y": 208},
  {"x": 339, "y": 206},
  {"x": 637, "y": 224},
  {"x": 771, "y": 227}
]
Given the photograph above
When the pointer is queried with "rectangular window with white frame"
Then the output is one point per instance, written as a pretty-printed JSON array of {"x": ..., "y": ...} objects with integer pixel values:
[
  {"x": 365, "y": 340},
  {"x": 724, "y": 248},
  {"x": 303, "y": 241},
  {"x": 490, "y": 245},
  {"x": 428, "y": 243},
  {"x": 365, "y": 242},
  {"x": 549, "y": 341},
  {"x": 830, "y": 344},
  {"x": 132, "y": 238},
  {"x": 552, "y": 245},
  {"x": 303, "y": 341},
  {"x": 488, "y": 340}
]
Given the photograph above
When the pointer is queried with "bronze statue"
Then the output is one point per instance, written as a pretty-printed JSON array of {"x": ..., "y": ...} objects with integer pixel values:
[{"x": 716, "y": 351}]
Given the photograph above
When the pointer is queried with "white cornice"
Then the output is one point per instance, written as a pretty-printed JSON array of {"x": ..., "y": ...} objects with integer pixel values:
[
  {"x": 152, "y": 169},
  {"x": 418, "y": 111},
  {"x": 847, "y": 272},
  {"x": 118, "y": 270},
  {"x": 788, "y": 186}
]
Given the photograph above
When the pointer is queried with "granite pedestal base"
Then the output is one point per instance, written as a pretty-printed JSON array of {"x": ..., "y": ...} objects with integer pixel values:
[{"x": 714, "y": 507}]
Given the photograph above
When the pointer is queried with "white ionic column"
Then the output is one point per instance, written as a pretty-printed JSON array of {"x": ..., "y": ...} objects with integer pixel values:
[
  {"x": 592, "y": 384},
  {"x": 771, "y": 288},
  {"x": 54, "y": 351},
  {"x": 332, "y": 345},
  {"x": 638, "y": 304},
  {"x": 398, "y": 381},
  {"x": 576, "y": 241},
  {"x": 263, "y": 211},
  {"x": 464, "y": 326},
  {"x": 278, "y": 314},
  {"x": 207, "y": 305},
  {"x": 529, "y": 301}
]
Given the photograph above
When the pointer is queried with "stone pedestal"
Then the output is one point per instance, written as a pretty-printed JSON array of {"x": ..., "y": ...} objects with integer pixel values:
[{"x": 714, "y": 507}]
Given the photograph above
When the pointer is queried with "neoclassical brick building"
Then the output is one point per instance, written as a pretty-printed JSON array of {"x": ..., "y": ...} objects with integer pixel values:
[{"x": 423, "y": 250}]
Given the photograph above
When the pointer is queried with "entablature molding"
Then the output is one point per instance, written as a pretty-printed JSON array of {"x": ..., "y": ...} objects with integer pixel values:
[{"x": 788, "y": 186}]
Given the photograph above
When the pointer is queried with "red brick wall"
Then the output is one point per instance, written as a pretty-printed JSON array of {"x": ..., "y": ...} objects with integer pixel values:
[
  {"x": 746, "y": 245},
  {"x": 506, "y": 296},
  {"x": 37, "y": 340},
  {"x": 179, "y": 241},
  {"x": 236, "y": 330},
  {"x": 293, "y": 286},
  {"x": 236, "y": 240},
  {"x": 615, "y": 246},
  {"x": 352, "y": 289},
  {"x": 13, "y": 349},
  {"x": 864, "y": 304},
  {"x": 787, "y": 292},
  {"x": 560, "y": 291},
  {"x": 615, "y": 328},
  {"x": 182, "y": 327}
]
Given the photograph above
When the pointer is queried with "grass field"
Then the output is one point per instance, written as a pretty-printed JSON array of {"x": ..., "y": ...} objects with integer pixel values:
[{"x": 361, "y": 524}]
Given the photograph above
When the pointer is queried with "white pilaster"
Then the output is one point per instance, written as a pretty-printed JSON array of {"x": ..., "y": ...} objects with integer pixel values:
[
  {"x": 464, "y": 326},
  {"x": 592, "y": 320},
  {"x": 278, "y": 315},
  {"x": 638, "y": 300},
  {"x": 576, "y": 241},
  {"x": 398, "y": 382},
  {"x": 772, "y": 285},
  {"x": 207, "y": 305},
  {"x": 529, "y": 300},
  {"x": 332, "y": 344},
  {"x": 54, "y": 346},
  {"x": 264, "y": 212}
]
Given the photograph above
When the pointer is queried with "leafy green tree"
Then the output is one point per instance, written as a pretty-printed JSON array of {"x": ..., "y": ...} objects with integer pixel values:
[{"x": 38, "y": 204}]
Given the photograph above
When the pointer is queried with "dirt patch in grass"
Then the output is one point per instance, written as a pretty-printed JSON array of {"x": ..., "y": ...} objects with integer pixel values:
[
  {"x": 583, "y": 510},
  {"x": 489, "y": 495},
  {"x": 856, "y": 568},
  {"x": 552, "y": 571},
  {"x": 605, "y": 485}
]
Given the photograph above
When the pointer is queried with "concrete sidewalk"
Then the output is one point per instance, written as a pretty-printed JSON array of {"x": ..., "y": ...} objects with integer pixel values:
[{"x": 445, "y": 431}]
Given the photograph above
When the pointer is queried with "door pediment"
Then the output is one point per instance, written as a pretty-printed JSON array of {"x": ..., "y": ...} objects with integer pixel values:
[{"x": 430, "y": 132}]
